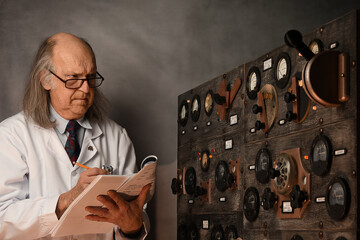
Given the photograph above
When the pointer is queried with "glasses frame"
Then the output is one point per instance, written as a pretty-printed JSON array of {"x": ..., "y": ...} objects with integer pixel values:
[{"x": 64, "y": 81}]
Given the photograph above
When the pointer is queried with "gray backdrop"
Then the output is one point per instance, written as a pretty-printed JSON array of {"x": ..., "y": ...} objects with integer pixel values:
[{"x": 149, "y": 53}]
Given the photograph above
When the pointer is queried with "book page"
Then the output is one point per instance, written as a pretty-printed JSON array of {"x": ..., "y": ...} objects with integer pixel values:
[{"x": 73, "y": 220}]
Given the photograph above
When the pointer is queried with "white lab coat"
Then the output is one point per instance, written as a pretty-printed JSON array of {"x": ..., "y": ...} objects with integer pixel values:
[{"x": 35, "y": 170}]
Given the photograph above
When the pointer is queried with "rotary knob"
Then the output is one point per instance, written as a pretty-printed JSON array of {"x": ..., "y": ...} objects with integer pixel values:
[
  {"x": 297, "y": 197},
  {"x": 289, "y": 97},
  {"x": 259, "y": 125},
  {"x": 274, "y": 173},
  {"x": 268, "y": 199},
  {"x": 290, "y": 116},
  {"x": 199, "y": 191},
  {"x": 256, "y": 109},
  {"x": 175, "y": 186}
]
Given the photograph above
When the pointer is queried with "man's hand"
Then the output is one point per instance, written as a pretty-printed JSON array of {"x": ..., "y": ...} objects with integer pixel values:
[
  {"x": 86, "y": 177},
  {"x": 125, "y": 214}
]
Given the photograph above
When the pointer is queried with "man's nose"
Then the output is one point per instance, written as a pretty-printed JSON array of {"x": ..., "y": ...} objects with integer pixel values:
[{"x": 85, "y": 86}]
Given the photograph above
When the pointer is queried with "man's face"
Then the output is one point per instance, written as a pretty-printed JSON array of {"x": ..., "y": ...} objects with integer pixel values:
[{"x": 72, "y": 62}]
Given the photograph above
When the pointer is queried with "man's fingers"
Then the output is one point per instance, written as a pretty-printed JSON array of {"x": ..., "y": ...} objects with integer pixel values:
[
  {"x": 95, "y": 171},
  {"x": 143, "y": 194},
  {"x": 98, "y": 211}
]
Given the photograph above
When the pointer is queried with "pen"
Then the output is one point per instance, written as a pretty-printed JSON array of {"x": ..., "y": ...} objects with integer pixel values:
[{"x": 83, "y": 166}]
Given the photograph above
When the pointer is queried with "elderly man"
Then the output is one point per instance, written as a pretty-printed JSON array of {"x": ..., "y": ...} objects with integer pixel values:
[{"x": 63, "y": 122}]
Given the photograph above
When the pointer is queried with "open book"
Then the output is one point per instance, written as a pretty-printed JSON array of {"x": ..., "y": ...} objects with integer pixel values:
[{"x": 73, "y": 220}]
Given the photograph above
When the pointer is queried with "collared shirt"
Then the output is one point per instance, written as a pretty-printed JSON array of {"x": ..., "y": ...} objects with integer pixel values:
[{"x": 61, "y": 123}]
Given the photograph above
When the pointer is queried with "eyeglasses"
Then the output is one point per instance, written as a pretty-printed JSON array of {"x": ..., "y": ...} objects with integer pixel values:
[{"x": 76, "y": 83}]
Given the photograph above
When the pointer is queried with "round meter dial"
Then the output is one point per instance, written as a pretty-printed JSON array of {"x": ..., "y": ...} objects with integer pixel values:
[
  {"x": 190, "y": 180},
  {"x": 183, "y": 113},
  {"x": 209, "y": 103},
  {"x": 316, "y": 46},
  {"x": 223, "y": 177},
  {"x": 193, "y": 233},
  {"x": 296, "y": 237},
  {"x": 321, "y": 155},
  {"x": 262, "y": 165},
  {"x": 182, "y": 233},
  {"x": 231, "y": 233},
  {"x": 251, "y": 204},
  {"x": 282, "y": 71},
  {"x": 288, "y": 173},
  {"x": 338, "y": 198},
  {"x": 195, "y": 108},
  {"x": 217, "y": 233},
  {"x": 253, "y": 81},
  {"x": 205, "y": 160}
]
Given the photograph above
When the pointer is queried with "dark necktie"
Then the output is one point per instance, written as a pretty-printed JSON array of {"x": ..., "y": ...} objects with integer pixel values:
[{"x": 72, "y": 146}]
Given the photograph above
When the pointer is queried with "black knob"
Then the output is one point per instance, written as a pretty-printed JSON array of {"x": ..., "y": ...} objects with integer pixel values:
[
  {"x": 256, "y": 109},
  {"x": 175, "y": 186},
  {"x": 290, "y": 116},
  {"x": 268, "y": 199},
  {"x": 297, "y": 197},
  {"x": 274, "y": 173},
  {"x": 259, "y": 125},
  {"x": 289, "y": 97},
  {"x": 293, "y": 38},
  {"x": 199, "y": 191},
  {"x": 219, "y": 99}
]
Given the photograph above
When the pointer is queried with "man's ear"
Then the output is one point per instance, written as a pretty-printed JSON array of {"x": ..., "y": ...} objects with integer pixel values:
[{"x": 45, "y": 82}]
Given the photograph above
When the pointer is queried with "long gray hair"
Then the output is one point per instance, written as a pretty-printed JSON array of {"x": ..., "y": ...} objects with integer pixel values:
[{"x": 36, "y": 100}]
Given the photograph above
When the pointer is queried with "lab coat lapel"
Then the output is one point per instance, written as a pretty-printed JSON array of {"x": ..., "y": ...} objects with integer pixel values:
[{"x": 89, "y": 149}]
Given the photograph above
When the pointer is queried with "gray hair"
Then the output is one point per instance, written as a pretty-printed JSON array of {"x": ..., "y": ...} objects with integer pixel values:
[{"x": 36, "y": 100}]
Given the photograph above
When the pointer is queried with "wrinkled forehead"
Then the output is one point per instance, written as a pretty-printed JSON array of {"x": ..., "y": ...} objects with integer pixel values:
[{"x": 72, "y": 54}]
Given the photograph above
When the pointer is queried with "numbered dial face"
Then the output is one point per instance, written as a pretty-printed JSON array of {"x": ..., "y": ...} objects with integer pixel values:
[
  {"x": 288, "y": 173},
  {"x": 282, "y": 72},
  {"x": 321, "y": 155},
  {"x": 217, "y": 233},
  {"x": 262, "y": 165},
  {"x": 190, "y": 180},
  {"x": 205, "y": 160},
  {"x": 316, "y": 46},
  {"x": 253, "y": 82},
  {"x": 231, "y": 233},
  {"x": 195, "y": 108},
  {"x": 183, "y": 113},
  {"x": 223, "y": 177},
  {"x": 251, "y": 204},
  {"x": 209, "y": 103},
  {"x": 338, "y": 198}
]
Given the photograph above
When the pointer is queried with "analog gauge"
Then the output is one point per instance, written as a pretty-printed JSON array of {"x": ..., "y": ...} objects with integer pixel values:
[
  {"x": 231, "y": 233},
  {"x": 253, "y": 82},
  {"x": 316, "y": 46},
  {"x": 223, "y": 177},
  {"x": 217, "y": 233},
  {"x": 183, "y": 113},
  {"x": 182, "y": 233},
  {"x": 321, "y": 155},
  {"x": 195, "y": 108},
  {"x": 193, "y": 232},
  {"x": 205, "y": 160},
  {"x": 262, "y": 165},
  {"x": 338, "y": 198},
  {"x": 251, "y": 204},
  {"x": 287, "y": 178},
  {"x": 282, "y": 71},
  {"x": 209, "y": 103},
  {"x": 190, "y": 180},
  {"x": 296, "y": 237}
]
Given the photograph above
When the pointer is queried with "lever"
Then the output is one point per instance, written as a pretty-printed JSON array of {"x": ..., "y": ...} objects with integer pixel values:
[{"x": 293, "y": 38}]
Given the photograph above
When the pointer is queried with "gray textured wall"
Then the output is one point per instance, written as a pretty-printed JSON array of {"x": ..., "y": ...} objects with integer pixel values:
[{"x": 150, "y": 52}]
